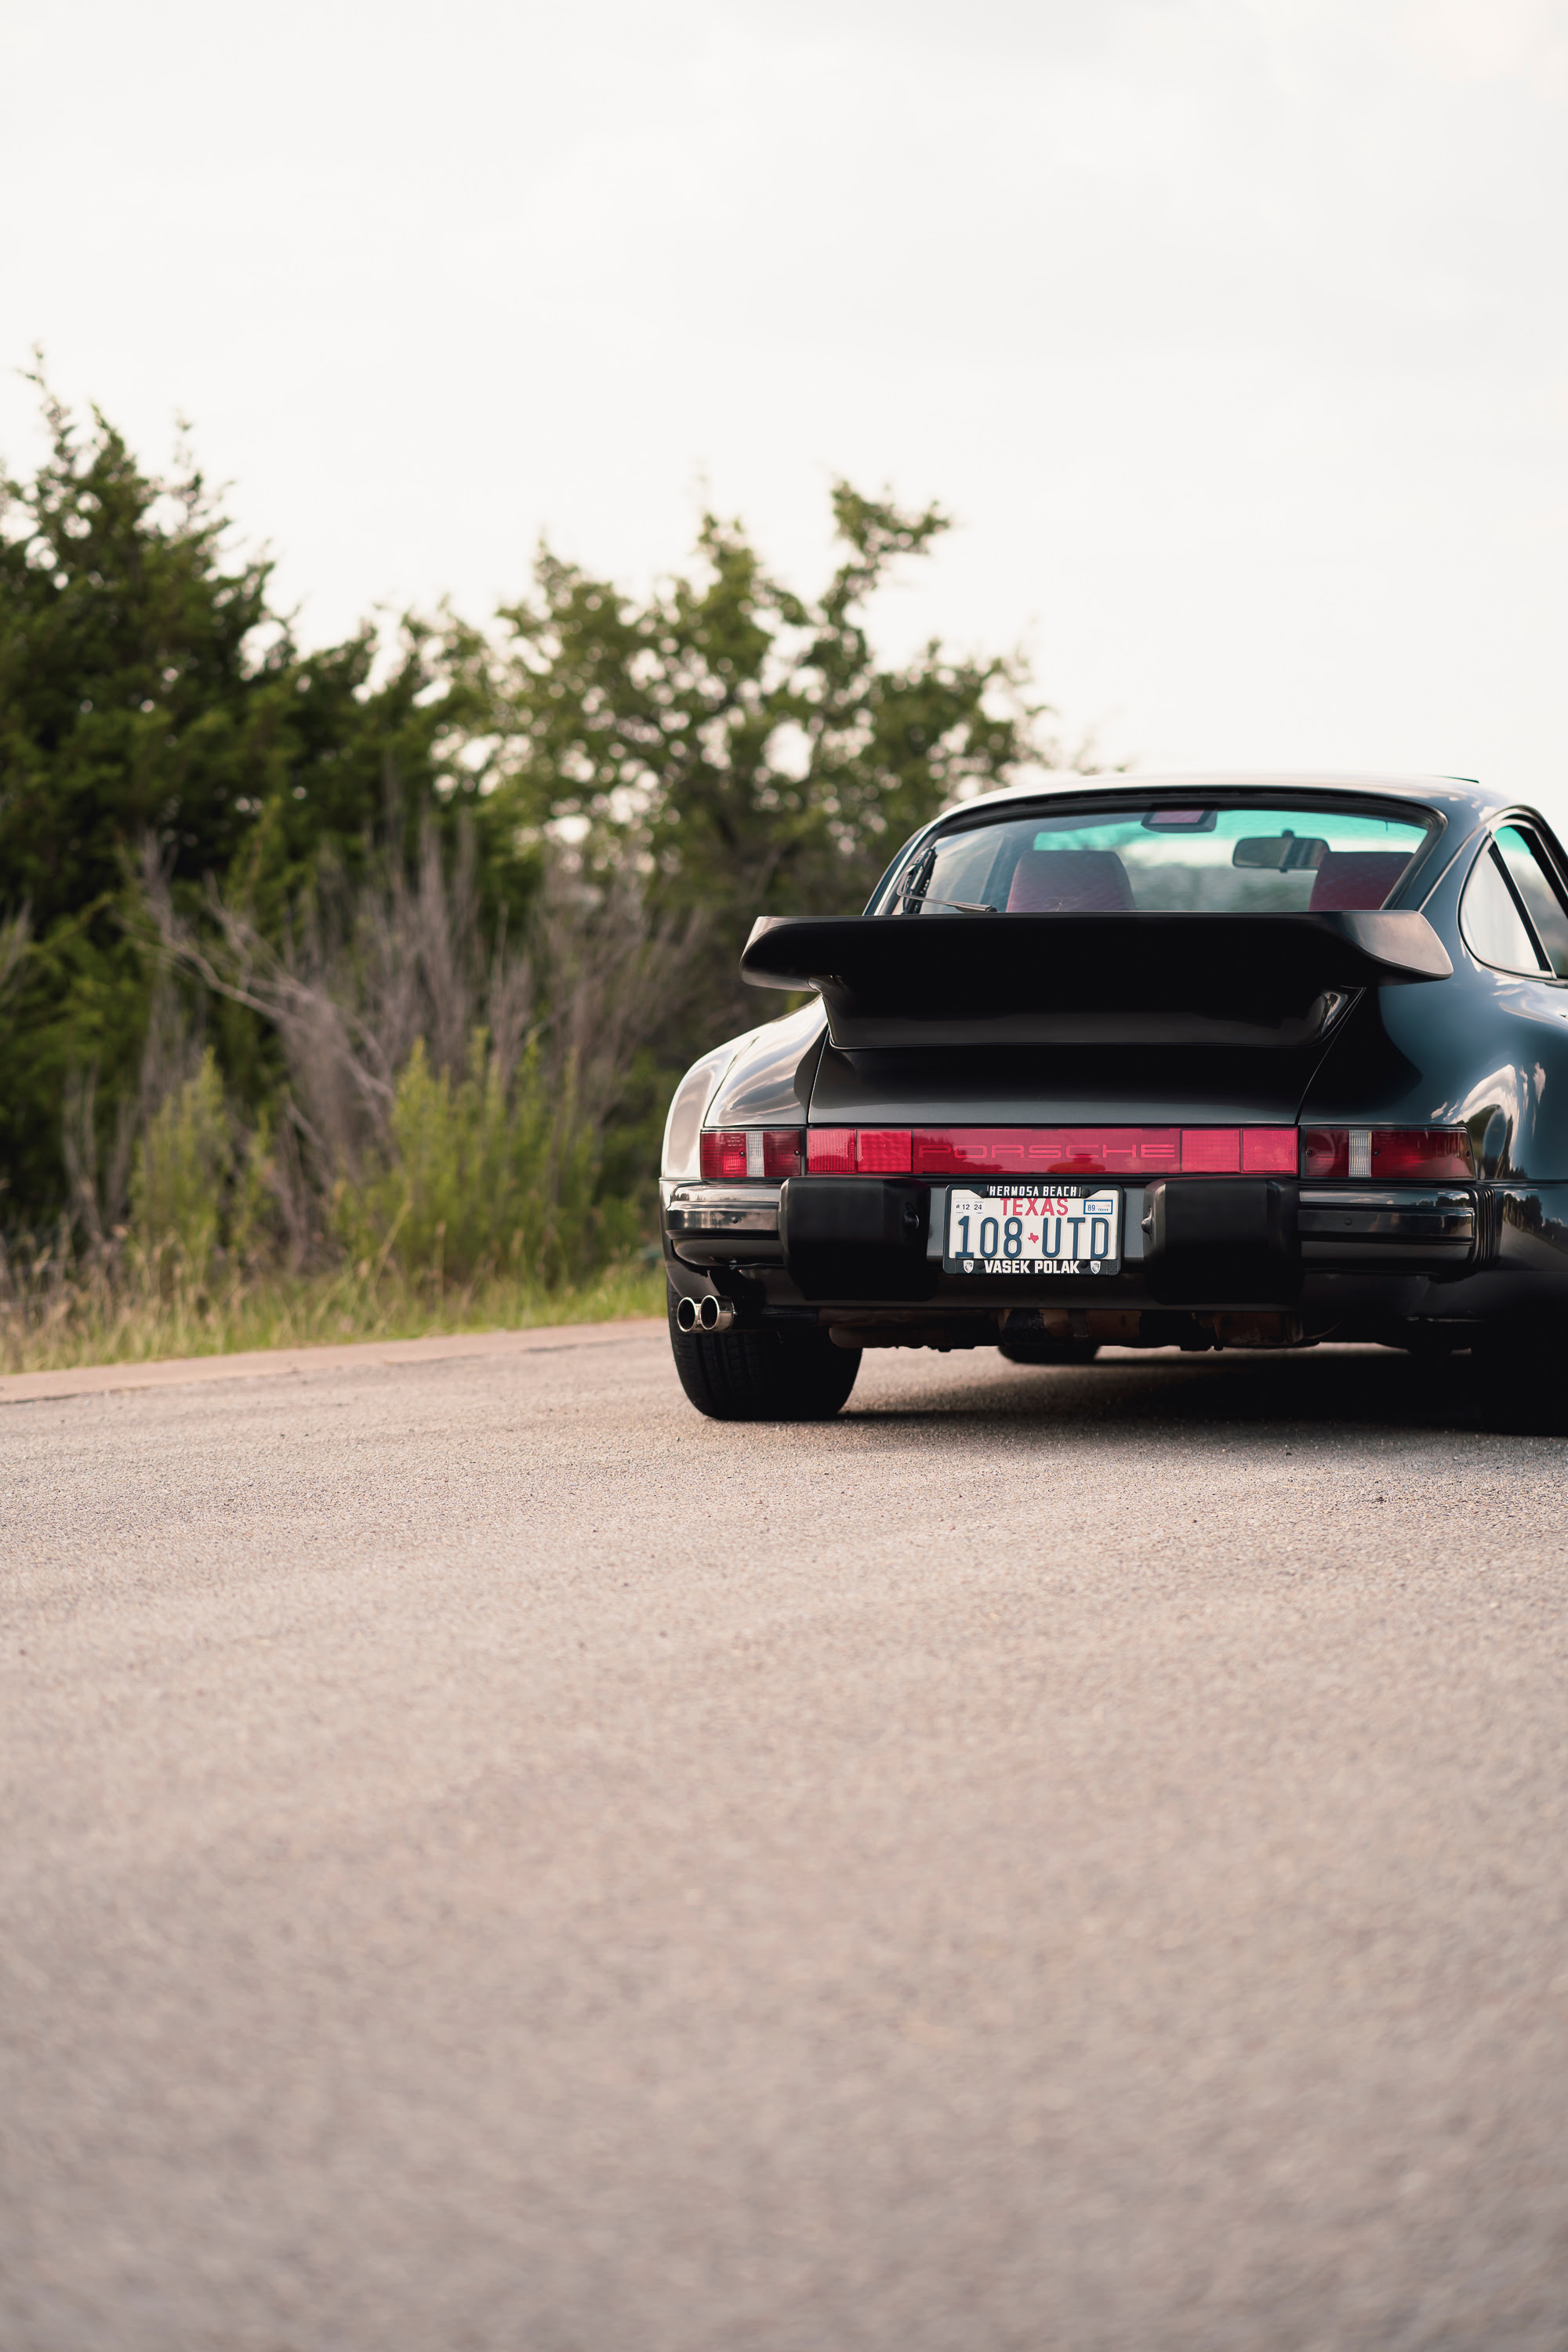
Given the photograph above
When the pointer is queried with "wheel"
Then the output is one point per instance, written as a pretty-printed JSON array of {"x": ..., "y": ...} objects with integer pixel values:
[
  {"x": 1522, "y": 1382},
  {"x": 762, "y": 1375},
  {"x": 1039, "y": 1347}
]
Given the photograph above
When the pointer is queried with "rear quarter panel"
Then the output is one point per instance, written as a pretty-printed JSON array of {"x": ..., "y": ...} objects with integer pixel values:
[{"x": 1483, "y": 1049}]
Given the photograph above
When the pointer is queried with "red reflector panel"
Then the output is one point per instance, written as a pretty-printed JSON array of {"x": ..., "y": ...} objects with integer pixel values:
[
  {"x": 1439, "y": 1152},
  {"x": 782, "y": 1154},
  {"x": 1059, "y": 1151},
  {"x": 1268, "y": 1151},
  {"x": 1140, "y": 1150},
  {"x": 1105, "y": 1151},
  {"x": 1211, "y": 1150},
  {"x": 830, "y": 1150},
  {"x": 724, "y": 1152},
  {"x": 1046, "y": 1151},
  {"x": 883, "y": 1151}
]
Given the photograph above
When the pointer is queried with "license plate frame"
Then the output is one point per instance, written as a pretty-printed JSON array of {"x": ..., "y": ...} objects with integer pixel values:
[{"x": 1062, "y": 1207}]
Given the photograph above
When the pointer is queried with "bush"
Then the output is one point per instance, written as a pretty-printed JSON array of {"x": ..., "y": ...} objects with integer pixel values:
[
  {"x": 180, "y": 1180},
  {"x": 478, "y": 1177},
  {"x": 361, "y": 976}
]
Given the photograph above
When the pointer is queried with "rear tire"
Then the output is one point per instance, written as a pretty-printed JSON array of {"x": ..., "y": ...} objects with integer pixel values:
[
  {"x": 762, "y": 1375},
  {"x": 1039, "y": 1347}
]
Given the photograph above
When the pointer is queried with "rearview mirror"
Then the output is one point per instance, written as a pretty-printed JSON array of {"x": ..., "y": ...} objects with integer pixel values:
[{"x": 1280, "y": 853}]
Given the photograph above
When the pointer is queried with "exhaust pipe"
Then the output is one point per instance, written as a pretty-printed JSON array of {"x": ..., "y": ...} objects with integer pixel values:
[{"x": 704, "y": 1314}]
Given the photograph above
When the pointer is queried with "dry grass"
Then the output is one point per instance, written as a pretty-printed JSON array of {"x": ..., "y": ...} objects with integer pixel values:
[
  {"x": 52, "y": 1324},
  {"x": 429, "y": 1160}
]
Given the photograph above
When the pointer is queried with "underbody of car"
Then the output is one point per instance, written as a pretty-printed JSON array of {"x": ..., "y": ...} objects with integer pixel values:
[{"x": 1194, "y": 1063}]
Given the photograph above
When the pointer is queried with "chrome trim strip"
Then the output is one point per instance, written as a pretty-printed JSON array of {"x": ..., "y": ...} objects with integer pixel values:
[
  {"x": 1343, "y": 1198},
  {"x": 1438, "y": 1224},
  {"x": 1346, "y": 1223},
  {"x": 723, "y": 1208}
]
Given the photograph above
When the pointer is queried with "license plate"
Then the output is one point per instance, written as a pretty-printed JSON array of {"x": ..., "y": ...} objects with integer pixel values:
[{"x": 1016, "y": 1229}]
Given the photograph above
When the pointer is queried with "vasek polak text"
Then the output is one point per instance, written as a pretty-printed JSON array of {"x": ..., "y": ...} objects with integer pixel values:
[{"x": 1003, "y": 1231}]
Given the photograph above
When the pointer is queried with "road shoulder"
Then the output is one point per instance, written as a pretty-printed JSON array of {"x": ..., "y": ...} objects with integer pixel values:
[{"x": 281, "y": 1363}]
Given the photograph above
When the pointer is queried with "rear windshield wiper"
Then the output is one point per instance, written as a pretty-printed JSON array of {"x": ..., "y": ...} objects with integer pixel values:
[
  {"x": 911, "y": 900},
  {"x": 911, "y": 891}
]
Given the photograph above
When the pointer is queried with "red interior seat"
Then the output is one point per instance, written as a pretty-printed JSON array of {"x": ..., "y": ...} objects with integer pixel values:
[
  {"x": 1069, "y": 882},
  {"x": 1355, "y": 878}
]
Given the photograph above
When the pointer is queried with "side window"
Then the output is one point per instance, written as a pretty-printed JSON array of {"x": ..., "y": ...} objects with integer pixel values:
[
  {"x": 1530, "y": 871},
  {"x": 1491, "y": 920}
]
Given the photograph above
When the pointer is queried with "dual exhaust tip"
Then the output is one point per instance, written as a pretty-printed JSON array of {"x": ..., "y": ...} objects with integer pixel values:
[{"x": 704, "y": 1314}]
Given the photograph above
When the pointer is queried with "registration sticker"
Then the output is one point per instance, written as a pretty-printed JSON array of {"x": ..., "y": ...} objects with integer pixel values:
[{"x": 1019, "y": 1229}]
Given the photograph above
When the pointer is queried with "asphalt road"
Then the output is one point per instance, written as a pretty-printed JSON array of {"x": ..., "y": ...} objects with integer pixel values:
[{"x": 494, "y": 1863}]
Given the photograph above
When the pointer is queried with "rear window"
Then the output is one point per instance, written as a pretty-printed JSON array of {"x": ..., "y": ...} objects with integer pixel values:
[{"x": 1163, "y": 859}]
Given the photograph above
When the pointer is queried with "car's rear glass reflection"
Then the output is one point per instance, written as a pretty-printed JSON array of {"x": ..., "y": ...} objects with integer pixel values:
[{"x": 1310, "y": 859}]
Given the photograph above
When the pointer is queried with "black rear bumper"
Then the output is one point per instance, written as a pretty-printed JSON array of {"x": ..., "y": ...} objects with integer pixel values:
[
  {"x": 1233, "y": 1239},
  {"x": 1353, "y": 1257}
]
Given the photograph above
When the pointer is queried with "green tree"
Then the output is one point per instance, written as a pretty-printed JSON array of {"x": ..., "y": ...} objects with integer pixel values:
[
  {"x": 742, "y": 741},
  {"x": 148, "y": 687},
  {"x": 721, "y": 747}
]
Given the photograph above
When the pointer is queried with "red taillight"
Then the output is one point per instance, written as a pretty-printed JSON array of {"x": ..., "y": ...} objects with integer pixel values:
[
  {"x": 1434, "y": 1152},
  {"x": 883, "y": 1151},
  {"x": 1046, "y": 1150},
  {"x": 773, "y": 1151},
  {"x": 1211, "y": 1150},
  {"x": 1268, "y": 1151},
  {"x": 724, "y": 1152},
  {"x": 1439, "y": 1154},
  {"x": 782, "y": 1154},
  {"x": 1103, "y": 1150},
  {"x": 830, "y": 1150},
  {"x": 1326, "y": 1152}
]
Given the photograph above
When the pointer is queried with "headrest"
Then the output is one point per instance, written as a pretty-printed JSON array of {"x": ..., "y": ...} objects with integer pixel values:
[{"x": 1069, "y": 882}]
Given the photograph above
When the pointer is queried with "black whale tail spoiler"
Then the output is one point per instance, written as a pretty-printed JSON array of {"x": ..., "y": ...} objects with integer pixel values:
[{"x": 1112, "y": 978}]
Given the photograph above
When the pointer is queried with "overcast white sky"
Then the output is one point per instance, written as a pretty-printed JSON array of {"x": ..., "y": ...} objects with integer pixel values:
[{"x": 1232, "y": 331}]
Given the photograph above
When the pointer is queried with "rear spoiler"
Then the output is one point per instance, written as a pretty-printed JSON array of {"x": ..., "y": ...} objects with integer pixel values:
[{"x": 899, "y": 980}]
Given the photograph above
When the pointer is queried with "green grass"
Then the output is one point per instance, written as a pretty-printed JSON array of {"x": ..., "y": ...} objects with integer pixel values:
[{"x": 54, "y": 1326}]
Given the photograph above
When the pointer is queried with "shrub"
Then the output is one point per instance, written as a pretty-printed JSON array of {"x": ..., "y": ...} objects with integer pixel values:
[
  {"x": 480, "y": 1175},
  {"x": 180, "y": 1179}
]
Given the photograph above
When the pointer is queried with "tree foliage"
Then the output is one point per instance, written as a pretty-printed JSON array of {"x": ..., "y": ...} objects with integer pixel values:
[
  {"x": 148, "y": 689},
  {"x": 740, "y": 740},
  {"x": 598, "y": 784}
]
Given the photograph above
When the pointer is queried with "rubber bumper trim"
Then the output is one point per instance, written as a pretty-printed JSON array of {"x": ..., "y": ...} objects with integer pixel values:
[
  {"x": 1222, "y": 1237},
  {"x": 848, "y": 1237}
]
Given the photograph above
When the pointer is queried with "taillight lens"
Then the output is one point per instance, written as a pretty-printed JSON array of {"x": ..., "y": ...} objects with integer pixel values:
[
  {"x": 724, "y": 1152},
  {"x": 883, "y": 1150},
  {"x": 781, "y": 1153},
  {"x": 1268, "y": 1151},
  {"x": 1103, "y": 1150},
  {"x": 830, "y": 1150},
  {"x": 773, "y": 1151},
  {"x": 1326, "y": 1152},
  {"x": 1437, "y": 1154},
  {"x": 1211, "y": 1150},
  {"x": 1433, "y": 1151},
  {"x": 1046, "y": 1150}
]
